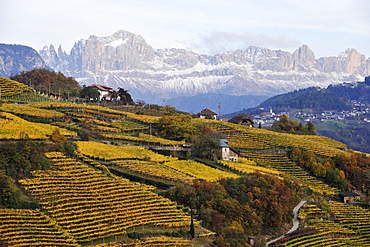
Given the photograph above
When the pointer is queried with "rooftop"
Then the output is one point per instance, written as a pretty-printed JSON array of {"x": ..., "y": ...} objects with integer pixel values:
[
  {"x": 102, "y": 87},
  {"x": 207, "y": 112},
  {"x": 224, "y": 143}
]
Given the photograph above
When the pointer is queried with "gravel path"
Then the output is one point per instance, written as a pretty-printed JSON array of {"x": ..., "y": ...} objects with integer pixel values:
[{"x": 295, "y": 222}]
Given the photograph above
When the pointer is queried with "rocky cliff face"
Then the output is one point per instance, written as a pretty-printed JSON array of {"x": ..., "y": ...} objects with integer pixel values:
[
  {"x": 303, "y": 59},
  {"x": 126, "y": 60},
  {"x": 17, "y": 58},
  {"x": 120, "y": 52},
  {"x": 349, "y": 62}
]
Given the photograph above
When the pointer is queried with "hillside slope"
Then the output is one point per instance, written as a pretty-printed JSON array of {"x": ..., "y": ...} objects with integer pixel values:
[{"x": 93, "y": 175}]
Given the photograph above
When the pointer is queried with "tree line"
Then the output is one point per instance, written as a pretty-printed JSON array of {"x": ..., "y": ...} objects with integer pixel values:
[{"x": 49, "y": 82}]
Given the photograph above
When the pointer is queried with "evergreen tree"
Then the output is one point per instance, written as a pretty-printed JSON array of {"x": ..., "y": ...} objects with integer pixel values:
[
  {"x": 125, "y": 97},
  {"x": 89, "y": 93}
]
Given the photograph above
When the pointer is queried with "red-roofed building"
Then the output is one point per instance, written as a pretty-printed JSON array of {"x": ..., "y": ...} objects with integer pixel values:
[{"x": 105, "y": 91}]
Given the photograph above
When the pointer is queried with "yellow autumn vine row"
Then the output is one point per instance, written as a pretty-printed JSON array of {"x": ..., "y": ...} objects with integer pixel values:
[
  {"x": 13, "y": 127},
  {"x": 90, "y": 205}
]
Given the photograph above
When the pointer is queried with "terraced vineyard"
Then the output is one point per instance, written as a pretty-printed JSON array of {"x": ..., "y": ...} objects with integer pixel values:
[
  {"x": 354, "y": 218},
  {"x": 90, "y": 205},
  {"x": 21, "y": 227},
  {"x": 259, "y": 146},
  {"x": 198, "y": 170},
  {"x": 66, "y": 106},
  {"x": 349, "y": 226},
  {"x": 312, "y": 211},
  {"x": 102, "y": 119},
  {"x": 129, "y": 126},
  {"x": 28, "y": 111},
  {"x": 155, "y": 170},
  {"x": 101, "y": 151},
  {"x": 169, "y": 166},
  {"x": 246, "y": 141},
  {"x": 143, "y": 138},
  {"x": 83, "y": 203},
  {"x": 16, "y": 92},
  {"x": 249, "y": 138},
  {"x": 96, "y": 111},
  {"x": 13, "y": 127},
  {"x": 310, "y": 238},
  {"x": 11, "y": 88},
  {"x": 248, "y": 166},
  {"x": 142, "y": 118},
  {"x": 294, "y": 172},
  {"x": 153, "y": 241}
]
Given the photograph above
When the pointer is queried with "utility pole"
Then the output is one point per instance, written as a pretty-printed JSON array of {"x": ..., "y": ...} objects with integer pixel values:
[
  {"x": 219, "y": 110},
  {"x": 302, "y": 118},
  {"x": 29, "y": 81}
]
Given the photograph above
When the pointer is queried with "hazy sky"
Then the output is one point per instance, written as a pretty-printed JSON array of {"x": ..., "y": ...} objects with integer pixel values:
[{"x": 328, "y": 27}]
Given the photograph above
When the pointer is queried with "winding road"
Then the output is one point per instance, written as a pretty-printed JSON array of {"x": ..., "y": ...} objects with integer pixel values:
[{"x": 295, "y": 222}]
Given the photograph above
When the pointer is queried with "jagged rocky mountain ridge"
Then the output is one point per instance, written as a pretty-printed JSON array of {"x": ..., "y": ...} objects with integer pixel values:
[{"x": 126, "y": 60}]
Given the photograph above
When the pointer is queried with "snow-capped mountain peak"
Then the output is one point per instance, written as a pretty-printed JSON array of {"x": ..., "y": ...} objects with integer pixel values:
[{"x": 126, "y": 60}]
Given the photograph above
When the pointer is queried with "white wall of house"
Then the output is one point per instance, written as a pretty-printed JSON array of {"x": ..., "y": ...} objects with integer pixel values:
[
  {"x": 104, "y": 94},
  {"x": 229, "y": 155},
  {"x": 214, "y": 117},
  {"x": 225, "y": 153}
]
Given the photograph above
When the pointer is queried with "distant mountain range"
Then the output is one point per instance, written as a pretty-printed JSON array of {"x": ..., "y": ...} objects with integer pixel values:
[
  {"x": 17, "y": 58},
  {"x": 236, "y": 79}
]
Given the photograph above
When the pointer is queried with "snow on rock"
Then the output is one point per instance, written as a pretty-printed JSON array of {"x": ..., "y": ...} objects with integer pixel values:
[{"x": 126, "y": 60}]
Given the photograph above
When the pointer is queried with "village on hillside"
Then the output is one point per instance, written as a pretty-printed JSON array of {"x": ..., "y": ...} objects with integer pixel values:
[{"x": 359, "y": 113}]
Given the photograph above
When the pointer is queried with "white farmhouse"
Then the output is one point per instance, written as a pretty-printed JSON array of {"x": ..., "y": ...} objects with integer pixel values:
[
  {"x": 105, "y": 91},
  {"x": 207, "y": 113},
  {"x": 228, "y": 153}
]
